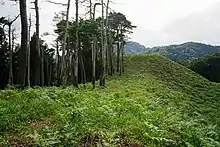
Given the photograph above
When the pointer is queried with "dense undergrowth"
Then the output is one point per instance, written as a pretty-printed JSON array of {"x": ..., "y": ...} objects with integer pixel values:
[{"x": 155, "y": 103}]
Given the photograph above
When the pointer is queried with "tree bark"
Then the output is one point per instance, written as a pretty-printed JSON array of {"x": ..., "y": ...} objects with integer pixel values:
[
  {"x": 10, "y": 57},
  {"x": 83, "y": 72},
  {"x": 110, "y": 62},
  {"x": 63, "y": 63},
  {"x": 93, "y": 45},
  {"x": 11, "y": 46},
  {"x": 102, "y": 51},
  {"x": 28, "y": 53},
  {"x": 39, "y": 74},
  {"x": 77, "y": 46},
  {"x": 93, "y": 63},
  {"x": 118, "y": 52},
  {"x": 24, "y": 37}
]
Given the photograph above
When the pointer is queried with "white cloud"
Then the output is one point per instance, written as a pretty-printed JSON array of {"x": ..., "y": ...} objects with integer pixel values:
[{"x": 159, "y": 21}]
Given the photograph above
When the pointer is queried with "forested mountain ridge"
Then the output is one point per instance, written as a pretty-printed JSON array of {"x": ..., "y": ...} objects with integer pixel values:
[
  {"x": 185, "y": 51},
  {"x": 156, "y": 102},
  {"x": 132, "y": 47}
]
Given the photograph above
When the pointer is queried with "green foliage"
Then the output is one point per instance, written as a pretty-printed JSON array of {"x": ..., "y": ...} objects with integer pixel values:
[
  {"x": 185, "y": 51},
  {"x": 156, "y": 103},
  {"x": 208, "y": 67}
]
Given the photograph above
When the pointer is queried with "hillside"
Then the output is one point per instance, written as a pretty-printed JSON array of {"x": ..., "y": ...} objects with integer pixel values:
[
  {"x": 185, "y": 51},
  {"x": 157, "y": 102}
]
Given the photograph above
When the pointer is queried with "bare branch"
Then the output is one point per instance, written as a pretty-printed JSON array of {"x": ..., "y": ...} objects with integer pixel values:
[{"x": 56, "y": 3}]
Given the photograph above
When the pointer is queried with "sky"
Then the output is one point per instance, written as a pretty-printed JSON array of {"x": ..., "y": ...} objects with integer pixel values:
[{"x": 159, "y": 22}]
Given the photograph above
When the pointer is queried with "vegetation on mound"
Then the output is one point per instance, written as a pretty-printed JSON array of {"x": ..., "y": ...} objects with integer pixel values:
[
  {"x": 207, "y": 67},
  {"x": 156, "y": 103}
]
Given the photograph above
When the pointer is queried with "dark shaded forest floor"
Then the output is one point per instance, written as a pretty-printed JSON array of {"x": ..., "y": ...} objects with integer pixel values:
[{"x": 155, "y": 103}]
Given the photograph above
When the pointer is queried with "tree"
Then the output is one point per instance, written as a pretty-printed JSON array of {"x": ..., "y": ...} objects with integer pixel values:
[
  {"x": 63, "y": 61},
  {"x": 102, "y": 50},
  {"x": 119, "y": 26},
  {"x": 28, "y": 52},
  {"x": 39, "y": 75},
  {"x": 9, "y": 24},
  {"x": 76, "y": 45},
  {"x": 24, "y": 39}
]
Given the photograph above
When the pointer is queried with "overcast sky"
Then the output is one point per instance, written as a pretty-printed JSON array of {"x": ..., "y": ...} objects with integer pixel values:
[{"x": 160, "y": 22}]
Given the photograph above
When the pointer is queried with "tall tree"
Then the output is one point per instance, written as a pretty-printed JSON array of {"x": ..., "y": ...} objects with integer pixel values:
[
  {"x": 24, "y": 38},
  {"x": 63, "y": 61},
  {"x": 9, "y": 24},
  {"x": 102, "y": 50},
  {"x": 29, "y": 52},
  {"x": 94, "y": 45},
  {"x": 39, "y": 67},
  {"x": 76, "y": 45}
]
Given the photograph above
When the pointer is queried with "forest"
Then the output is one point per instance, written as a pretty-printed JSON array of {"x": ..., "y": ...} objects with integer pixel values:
[
  {"x": 85, "y": 50},
  {"x": 83, "y": 90}
]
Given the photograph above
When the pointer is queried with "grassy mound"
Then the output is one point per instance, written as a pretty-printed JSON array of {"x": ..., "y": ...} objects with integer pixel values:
[{"x": 155, "y": 103}]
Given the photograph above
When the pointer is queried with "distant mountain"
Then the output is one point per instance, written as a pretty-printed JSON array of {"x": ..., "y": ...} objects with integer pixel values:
[
  {"x": 181, "y": 52},
  {"x": 134, "y": 48},
  {"x": 185, "y": 51}
]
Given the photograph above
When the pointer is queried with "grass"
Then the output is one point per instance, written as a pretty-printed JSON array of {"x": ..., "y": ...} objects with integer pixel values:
[{"x": 155, "y": 103}]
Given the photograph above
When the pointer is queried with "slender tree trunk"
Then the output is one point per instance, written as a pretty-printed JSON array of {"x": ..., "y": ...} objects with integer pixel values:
[
  {"x": 28, "y": 53},
  {"x": 24, "y": 37},
  {"x": 83, "y": 72},
  {"x": 93, "y": 45},
  {"x": 11, "y": 46},
  {"x": 102, "y": 51},
  {"x": 39, "y": 65},
  {"x": 122, "y": 51},
  {"x": 77, "y": 46},
  {"x": 110, "y": 64},
  {"x": 121, "y": 58},
  {"x": 123, "y": 69},
  {"x": 50, "y": 73},
  {"x": 13, "y": 40},
  {"x": 63, "y": 65},
  {"x": 93, "y": 64},
  {"x": 10, "y": 57},
  {"x": 118, "y": 52},
  {"x": 106, "y": 48},
  {"x": 57, "y": 63},
  {"x": 90, "y": 9}
]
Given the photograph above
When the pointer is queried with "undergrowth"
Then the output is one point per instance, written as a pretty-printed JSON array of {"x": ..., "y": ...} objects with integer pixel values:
[{"x": 155, "y": 103}]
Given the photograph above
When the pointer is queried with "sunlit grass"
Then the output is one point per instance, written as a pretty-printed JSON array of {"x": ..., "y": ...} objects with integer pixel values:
[{"x": 155, "y": 103}]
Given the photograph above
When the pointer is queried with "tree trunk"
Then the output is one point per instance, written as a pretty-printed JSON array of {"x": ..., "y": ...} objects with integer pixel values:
[
  {"x": 83, "y": 72},
  {"x": 24, "y": 37},
  {"x": 11, "y": 46},
  {"x": 10, "y": 57},
  {"x": 28, "y": 53},
  {"x": 42, "y": 67},
  {"x": 63, "y": 65},
  {"x": 106, "y": 48},
  {"x": 93, "y": 63},
  {"x": 121, "y": 58},
  {"x": 110, "y": 64},
  {"x": 77, "y": 46},
  {"x": 57, "y": 63},
  {"x": 102, "y": 51},
  {"x": 38, "y": 79},
  {"x": 118, "y": 52},
  {"x": 93, "y": 45}
]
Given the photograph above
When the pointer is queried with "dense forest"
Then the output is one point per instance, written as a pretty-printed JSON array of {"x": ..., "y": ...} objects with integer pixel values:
[
  {"x": 85, "y": 50},
  {"x": 207, "y": 66}
]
